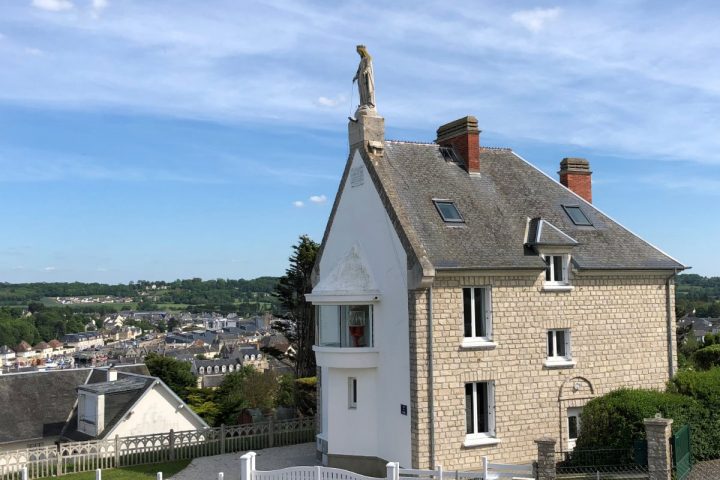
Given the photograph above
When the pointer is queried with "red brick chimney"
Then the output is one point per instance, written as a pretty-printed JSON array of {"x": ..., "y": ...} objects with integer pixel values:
[
  {"x": 463, "y": 135},
  {"x": 575, "y": 174}
]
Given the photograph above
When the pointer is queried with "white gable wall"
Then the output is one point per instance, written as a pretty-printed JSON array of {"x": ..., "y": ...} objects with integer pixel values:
[
  {"x": 381, "y": 430},
  {"x": 156, "y": 412}
]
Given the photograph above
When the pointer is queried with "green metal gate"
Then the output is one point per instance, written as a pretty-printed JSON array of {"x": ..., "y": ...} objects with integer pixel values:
[{"x": 682, "y": 460}]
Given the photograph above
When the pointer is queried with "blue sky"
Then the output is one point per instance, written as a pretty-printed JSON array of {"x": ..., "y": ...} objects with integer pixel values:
[{"x": 163, "y": 140}]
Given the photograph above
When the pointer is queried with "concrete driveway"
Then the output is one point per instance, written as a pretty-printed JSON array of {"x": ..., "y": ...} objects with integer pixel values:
[{"x": 207, "y": 468}]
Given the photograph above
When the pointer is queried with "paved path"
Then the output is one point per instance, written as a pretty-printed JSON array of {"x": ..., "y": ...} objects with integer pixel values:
[
  {"x": 207, "y": 468},
  {"x": 709, "y": 470}
]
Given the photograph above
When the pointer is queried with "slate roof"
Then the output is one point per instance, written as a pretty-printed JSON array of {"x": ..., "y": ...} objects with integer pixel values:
[
  {"x": 40, "y": 403},
  {"x": 120, "y": 396},
  {"x": 496, "y": 206}
]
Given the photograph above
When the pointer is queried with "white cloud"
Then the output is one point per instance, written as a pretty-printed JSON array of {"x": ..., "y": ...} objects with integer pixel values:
[
  {"x": 318, "y": 199},
  {"x": 98, "y": 6},
  {"x": 53, "y": 5},
  {"x": 33, "y": 51},
  {"x": 298, "y": 203},
  {"x": 49, "y": 269},
  {"x": 331, "y": 102},
  {"x": 535, "y": 19}
]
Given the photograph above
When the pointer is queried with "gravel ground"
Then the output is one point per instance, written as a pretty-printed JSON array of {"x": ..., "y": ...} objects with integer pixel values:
[
  {"x": 207, "y": 468},
  {"x": 705, "y": 471}
]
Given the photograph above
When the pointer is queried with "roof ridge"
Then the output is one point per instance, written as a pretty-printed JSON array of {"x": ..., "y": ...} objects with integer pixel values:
[{"x": 412, "y": 142}]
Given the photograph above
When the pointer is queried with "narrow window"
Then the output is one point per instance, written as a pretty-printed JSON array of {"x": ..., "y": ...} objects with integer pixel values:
[
  {"x": 477, "y": 318},
  {"x": 574, "y": 425},
  {"x": 352, "y": 392},
  {"x": 558, "y": 345},
  {"x": 479, "y": 409}
]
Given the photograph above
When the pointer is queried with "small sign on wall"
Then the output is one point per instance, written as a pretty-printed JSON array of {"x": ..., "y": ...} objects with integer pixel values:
[
  {"x": 403, "y": 409},
  {"x": 357, "y": 176}
]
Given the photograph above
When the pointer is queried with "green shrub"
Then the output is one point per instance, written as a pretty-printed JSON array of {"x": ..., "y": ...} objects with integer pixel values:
[
  {"x": 615, "y": 420},
  {"x": 707, "y": 357}
]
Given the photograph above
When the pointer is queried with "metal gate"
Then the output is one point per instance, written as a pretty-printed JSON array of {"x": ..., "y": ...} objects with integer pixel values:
[{"x": 682, "y": 460}]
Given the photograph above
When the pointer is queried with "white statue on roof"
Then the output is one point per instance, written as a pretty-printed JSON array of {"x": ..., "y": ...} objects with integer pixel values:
[{"x": 366, "y": 79}]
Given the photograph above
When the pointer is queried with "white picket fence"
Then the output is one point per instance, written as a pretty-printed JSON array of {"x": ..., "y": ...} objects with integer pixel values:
[{"x": 490, "y": 471}]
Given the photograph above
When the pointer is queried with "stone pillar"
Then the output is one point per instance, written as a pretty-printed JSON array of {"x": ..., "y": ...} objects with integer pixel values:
[
  {"x": 658, "y": 431},
  {"x": 546, "y": 458}
]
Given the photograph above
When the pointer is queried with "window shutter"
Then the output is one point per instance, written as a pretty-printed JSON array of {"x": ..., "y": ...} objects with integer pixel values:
[
  {"x": 491, "y": 407},
  {"x": 488, "y": 312},
  {"x": 568, "y": 352},
  {"x": 565, "y": 265}
]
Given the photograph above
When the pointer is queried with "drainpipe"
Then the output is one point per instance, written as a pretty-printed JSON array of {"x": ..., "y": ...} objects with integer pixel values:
[
  {"x": 670, "y": 326},
  {"x": 431, "y": 398}
]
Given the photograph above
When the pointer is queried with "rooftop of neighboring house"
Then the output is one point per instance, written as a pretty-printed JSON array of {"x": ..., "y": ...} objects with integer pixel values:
[{"x": 40, "y": 403}]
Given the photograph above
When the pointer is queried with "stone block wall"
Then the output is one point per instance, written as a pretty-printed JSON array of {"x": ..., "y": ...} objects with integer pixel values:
[{"x": 619, "y": 337}]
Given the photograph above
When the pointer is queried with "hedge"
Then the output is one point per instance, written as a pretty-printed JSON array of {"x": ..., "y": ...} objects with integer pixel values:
[
  {"x": 707, "y": 357},
  {"x": 615, "y": 420}
]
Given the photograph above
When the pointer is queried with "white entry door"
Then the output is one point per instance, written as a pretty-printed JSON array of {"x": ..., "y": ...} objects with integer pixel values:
[{"x": 573, "y": 425}]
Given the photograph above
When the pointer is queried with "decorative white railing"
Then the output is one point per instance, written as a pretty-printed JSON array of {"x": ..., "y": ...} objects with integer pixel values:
[
  {"x": 490, "y": 471},
  {"x": 117, "y": 452}
]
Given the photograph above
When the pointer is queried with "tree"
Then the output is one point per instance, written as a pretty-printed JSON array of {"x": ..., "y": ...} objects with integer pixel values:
[
  {"x": 246, "y": 388},
  {"x": 175, "y": 373},
  {"x": 291, "y": 290}
]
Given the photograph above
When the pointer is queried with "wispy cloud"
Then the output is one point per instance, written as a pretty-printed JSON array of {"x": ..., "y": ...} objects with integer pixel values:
[
  {"x": 331, "y": 102},
  {"x": 537, "y": 18},
  {"x": 318, "y": 199},
  {"x": 615, "y": 79},
  {"x": 98, "y": 6},
  {"x": 50, "y": 269},
  {"x": 692, "y": 184},
  {"x": 298, "y": 203},
  {"x": 53, "y": 5}
]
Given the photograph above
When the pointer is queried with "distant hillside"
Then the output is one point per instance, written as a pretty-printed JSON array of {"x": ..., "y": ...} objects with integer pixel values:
[
  {"x": 145, "y": 294},
  {"x": 698, "y": 293}
]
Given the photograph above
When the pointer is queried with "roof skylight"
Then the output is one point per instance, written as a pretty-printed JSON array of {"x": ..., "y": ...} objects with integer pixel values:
[
  {"x": 576, "y": 214},
  {"x": 448, "y": 211},
  {"x": 449, "y": 155}
]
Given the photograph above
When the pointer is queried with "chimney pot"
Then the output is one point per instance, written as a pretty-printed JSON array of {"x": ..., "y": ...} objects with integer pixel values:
[
  {"x": 463, "y": 135},
  {"x": 575, "y": 174}
]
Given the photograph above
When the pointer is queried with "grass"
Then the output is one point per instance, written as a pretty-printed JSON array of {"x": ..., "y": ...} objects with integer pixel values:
[{"x": 138, "y": 472}]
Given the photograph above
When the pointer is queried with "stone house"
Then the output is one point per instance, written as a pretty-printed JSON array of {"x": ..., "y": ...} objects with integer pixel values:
[{"x": 468, "y": 304}]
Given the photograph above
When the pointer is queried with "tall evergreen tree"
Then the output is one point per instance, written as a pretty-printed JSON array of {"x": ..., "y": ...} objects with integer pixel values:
[{"x": 291, "y": 290}]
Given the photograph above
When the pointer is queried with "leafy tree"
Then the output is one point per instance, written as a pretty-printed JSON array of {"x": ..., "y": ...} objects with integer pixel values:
[
  {"x": 707, "y": 357},
  {"x": 161, "y": 326},
  {"x": 291, "y": 290},
  {"x": 172, "y": 324},
  {"x": 203, "y": 401},
  {"x": 246, "y": 388},
  {"x": 175, "y": 373}
]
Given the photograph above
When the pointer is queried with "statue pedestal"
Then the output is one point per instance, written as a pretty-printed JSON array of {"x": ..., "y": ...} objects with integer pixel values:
[{"x": 369, "y": 127}]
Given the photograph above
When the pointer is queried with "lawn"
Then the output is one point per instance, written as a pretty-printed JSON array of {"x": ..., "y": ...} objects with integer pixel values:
[{"x": 139, "y": 472}]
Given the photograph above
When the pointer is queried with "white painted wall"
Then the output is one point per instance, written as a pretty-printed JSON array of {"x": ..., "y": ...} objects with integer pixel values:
[
  {"x": 380, "y": 431},
  {"x": 156, "y": 412}
]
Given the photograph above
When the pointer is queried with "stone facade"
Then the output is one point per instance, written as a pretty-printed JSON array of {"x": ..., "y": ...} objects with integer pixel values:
[{"x": 619, "y": 338}]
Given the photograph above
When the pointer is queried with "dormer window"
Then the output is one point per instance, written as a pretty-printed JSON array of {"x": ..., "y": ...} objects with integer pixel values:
[
  {"x": 448, "y": 211},
  {"x": 557, "y": 266}
]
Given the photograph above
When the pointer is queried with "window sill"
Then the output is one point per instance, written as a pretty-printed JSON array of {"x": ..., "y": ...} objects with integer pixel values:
[
  {"x": 560, "y": 363},
  {"x": 557, "y": 288},
  {"x": 474, "y": 441},
  {"x": 479, "y": 343}
]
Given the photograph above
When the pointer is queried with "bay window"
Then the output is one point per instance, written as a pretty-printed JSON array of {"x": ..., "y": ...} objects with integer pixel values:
[{"x": 344, "y": 326}]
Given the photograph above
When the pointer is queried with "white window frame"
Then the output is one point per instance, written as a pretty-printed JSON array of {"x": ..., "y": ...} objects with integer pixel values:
[
  {"x": 552, "y": 358},
  {"x": 564, "y": 280},
  {"x": 473, "y": 340},
  {"x": 481, "y": 438},
  {"x": 352, "y": 392}
]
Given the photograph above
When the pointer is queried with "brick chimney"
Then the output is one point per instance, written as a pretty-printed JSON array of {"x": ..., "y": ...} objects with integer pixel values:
[
  {"x": 575, "y": 174},
  {"x": 464, "y": 136}
]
